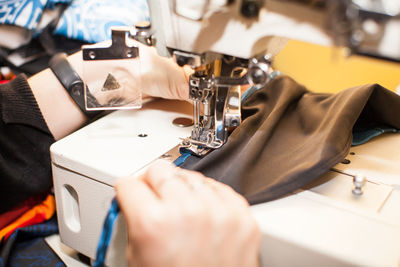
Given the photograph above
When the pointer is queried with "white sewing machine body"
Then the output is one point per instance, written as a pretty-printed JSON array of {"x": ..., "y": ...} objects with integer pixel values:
[{"x": 325, "y": 225}]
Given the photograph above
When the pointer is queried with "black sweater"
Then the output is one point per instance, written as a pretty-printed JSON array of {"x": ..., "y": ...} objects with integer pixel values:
[{"x": 25, "y": 139}]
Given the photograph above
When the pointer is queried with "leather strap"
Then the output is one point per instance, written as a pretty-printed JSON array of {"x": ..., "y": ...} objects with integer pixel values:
[{"x": 71, "y": 81}]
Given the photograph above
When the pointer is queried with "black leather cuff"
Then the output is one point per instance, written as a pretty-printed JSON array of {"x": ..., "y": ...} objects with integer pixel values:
[{"x": 71, "y": 81}]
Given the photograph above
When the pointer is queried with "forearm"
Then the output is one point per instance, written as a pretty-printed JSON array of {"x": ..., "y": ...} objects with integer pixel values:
[
  {"x": 160, "y": 77},
  {"x": 60, "y": 112}
]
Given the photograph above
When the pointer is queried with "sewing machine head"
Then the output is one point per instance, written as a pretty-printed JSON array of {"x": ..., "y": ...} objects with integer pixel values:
[
  {"x": 246, "y": 28},
  {"x": 231, "y": 43}
]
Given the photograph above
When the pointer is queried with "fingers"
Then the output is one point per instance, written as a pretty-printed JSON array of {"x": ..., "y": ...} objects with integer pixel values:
[
  {"x": 162, "y": 77},
  {"x": 198, "y": 184},
  {"x": 165, "y": 181},
  {"x": 183, "y": 217},
  {"x": 135, "y": 197}
]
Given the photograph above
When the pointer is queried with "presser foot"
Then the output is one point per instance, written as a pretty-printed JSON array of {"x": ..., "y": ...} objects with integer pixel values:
[{"x": 199, "y": 148}]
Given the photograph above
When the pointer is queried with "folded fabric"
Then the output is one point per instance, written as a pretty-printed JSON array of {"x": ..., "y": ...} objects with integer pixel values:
[
  {"x": 37, "y": 214},
  {"x": 290, "y": 136},
  {"x": 8, "y": 217},
  {"x": 84, "y": 20},
  {"x": 91, "y": 20}
]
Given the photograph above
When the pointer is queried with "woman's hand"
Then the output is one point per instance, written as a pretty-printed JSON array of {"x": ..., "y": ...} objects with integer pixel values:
[
  {"x": 154, "y": 75},
  {"x": 177, "y": 217},
  {"x": 161, "y": 76}
]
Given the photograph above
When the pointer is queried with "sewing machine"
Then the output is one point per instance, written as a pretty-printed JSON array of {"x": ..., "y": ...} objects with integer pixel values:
[{"x": 344, "y": 219}]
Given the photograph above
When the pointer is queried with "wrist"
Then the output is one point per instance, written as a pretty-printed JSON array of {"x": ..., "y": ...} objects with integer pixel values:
[
  {"x": 59, "y": 111},
  {"x": 72, "y": 82}
]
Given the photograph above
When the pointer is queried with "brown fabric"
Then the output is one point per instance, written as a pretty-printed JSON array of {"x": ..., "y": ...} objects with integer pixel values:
[{"x": 290, "y": 136}]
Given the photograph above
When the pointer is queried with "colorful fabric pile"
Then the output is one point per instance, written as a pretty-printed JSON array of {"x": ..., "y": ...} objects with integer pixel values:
[
  {"x": 34, "y": 30},
  {"x": 22, "y": 230}
]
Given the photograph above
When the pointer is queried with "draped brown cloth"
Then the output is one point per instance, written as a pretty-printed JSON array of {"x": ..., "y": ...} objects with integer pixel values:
[{"x": 290, "y": 136}]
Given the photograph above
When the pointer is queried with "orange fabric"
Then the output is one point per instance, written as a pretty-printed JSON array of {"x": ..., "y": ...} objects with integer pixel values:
[
  {"x": 10, "y": 216},
  {"x": 37, "y": 214}
]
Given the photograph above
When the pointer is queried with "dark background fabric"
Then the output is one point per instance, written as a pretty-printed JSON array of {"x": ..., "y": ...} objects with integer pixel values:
[
  {"x": 290, "y": 136},
  {"x": 27, "y": 247},
  {"x": 41, "y": 48}
]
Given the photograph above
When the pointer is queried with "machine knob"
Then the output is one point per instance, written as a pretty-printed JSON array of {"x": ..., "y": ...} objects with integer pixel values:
[
  {"x": 143, "y": 33},
  {"x": 258, "y": 72},
  {"x": 359, "y": 181},
  {"x": 181, "y": 61},
  {"x": 143, "y": 25}
]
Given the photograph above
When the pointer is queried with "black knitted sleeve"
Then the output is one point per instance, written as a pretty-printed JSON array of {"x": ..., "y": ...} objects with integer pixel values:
[{"x": 25, "y": 168}]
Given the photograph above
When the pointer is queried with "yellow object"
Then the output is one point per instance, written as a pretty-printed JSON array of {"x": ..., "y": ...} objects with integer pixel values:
[{"x": 327, "y": 69}]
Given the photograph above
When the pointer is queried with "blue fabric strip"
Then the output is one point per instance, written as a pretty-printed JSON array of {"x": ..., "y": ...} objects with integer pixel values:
[
  {"x": 179, "y": 161},
  {"x": 106, "y": 234}
]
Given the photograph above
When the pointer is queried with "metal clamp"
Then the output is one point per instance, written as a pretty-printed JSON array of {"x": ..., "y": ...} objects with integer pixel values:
[{"x": 119, "y": 48}]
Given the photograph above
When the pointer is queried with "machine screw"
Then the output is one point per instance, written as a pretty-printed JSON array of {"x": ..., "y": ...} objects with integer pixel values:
[
  {"x": 346, "y": 161},
  {"x": 143, "y": 25},
  {"x": 250, "y": 8},
  {"x": 258, "y": 76},
  {"x": 258, "y": 72},
  {"x": 92, "y": 55},
  {"x": 129, "y": 53},
  {"x": 76, "y": 89},
  {"x": 181, "y": 61},
  {"x": 143, "y": 33}
]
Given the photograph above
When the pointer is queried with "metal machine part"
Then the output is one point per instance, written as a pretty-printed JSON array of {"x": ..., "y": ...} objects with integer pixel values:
[
  {"x": 112, "y": 71},
  {"x": 215, "y": 89},
  {"x": 118, "y": 49},
  {"x": 227, "y": 43},
  {"x": 359, "y": 181},
  {"x": 143, "y": 33},
  {"x": 367, "y": 27},
  {"x": 108, "y": 72},
  {"x": 259, "y": 69},
  {"x": 210, "y": 101}
]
